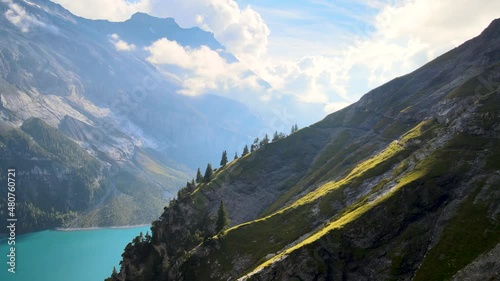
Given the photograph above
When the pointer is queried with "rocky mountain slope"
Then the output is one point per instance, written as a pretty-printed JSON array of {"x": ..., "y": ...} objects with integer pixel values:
[
  {"x": 402, "y": 185},
  {"x": 67, "y": 73}
]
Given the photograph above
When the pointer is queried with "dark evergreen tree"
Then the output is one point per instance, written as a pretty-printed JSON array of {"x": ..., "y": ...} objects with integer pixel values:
[
  {"x": 264, "y": 141},
  {"x": 199, "y": 177},
  {"x": 137, "y": 240},
  {"x": 209, "y": 172},
  {"x": 275, "y": 136},
  {"x": 245, "y": 151},
  {"x": 255, "y": 145},
  {"x": 190, "y": 187},
  {"x": 235, "y": 155},
  {"x": 223, "y": 161},
  {"x": 114, "y": 274},
  {"x": 296, "y": 128},
  {"x": 222, "y": 222}
]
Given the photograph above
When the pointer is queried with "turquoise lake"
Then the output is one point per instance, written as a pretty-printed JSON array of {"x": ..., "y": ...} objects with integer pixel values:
[{"x": 83, "y": 255}]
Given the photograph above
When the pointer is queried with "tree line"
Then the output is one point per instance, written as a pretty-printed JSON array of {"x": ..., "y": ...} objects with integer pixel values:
[
  {"x": 222, "y": 220},
  {"x": 257, "y": 144}
]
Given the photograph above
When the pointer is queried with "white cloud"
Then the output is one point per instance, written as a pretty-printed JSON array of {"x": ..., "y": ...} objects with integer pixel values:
[
  {"x": 121, "y": 45},
  {"x": 204, "y": 69},
  {"x": 402, "y": 37},
  {"x": 394, "y": 39},
  {"x": 313, "y": 79},
  {"x": 411, "y": 33},
  {"x": 113, "y": 10},
  {"x": 241, "y": 30},
  {"x": 18, "y": 16}
]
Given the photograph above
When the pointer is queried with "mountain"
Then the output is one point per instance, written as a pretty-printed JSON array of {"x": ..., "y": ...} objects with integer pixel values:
[
  {"x": 63, "y": 80},
  {"x": 143, "y": 30},
  {"x": 402, "y": 185}
]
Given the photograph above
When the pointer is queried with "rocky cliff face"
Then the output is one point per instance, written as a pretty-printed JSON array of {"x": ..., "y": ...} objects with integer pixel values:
[{"x": 402, "y": 185}]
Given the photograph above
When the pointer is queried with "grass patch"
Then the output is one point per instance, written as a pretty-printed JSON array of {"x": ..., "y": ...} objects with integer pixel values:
[
  {"x": 395, "y": 130},
  {"x": 423, "y": 177},
  {"x": 271, "y": 234},
  {"x": 490, "y": 103},
  {"x": 407, "y": 109},
  {"x": 470, "y": 87},
  {"x": 151, "y": 166},
  {"x": 332, "y": 149},
  {"x": 468, "y": 234}
]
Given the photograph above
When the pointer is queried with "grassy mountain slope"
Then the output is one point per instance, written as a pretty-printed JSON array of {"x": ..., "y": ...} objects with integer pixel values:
[
  {"x": 402, "y": 185},
  {"x": 64, "y": 185}
]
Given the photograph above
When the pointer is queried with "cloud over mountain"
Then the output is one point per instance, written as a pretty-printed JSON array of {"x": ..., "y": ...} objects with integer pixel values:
[
  {"x": 205, "y": 69},
  {"x": 18, "y": 16},
  {"x": 361, "y": 44},
  {"x": 121, "y": 45}
]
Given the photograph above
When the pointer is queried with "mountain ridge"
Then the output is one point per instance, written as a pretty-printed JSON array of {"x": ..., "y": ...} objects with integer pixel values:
[{"x": 368, "y": 193}]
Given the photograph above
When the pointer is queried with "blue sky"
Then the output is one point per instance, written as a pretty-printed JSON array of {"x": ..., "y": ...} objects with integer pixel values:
[
  {"x": 320, "y": 52},
  {"x": 322, "y": 23}
]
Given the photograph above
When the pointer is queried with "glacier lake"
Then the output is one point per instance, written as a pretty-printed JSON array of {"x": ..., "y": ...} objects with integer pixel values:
[{"x": 79, "y": 255}]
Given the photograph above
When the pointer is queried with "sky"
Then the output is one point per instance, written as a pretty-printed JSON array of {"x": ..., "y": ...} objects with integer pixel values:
[{"x": 327, "y": 53}]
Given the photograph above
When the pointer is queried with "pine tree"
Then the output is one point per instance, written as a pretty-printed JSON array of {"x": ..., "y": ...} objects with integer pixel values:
[
  {"x": 235, "y": 155},
  {"x": 245, "y": 151},
  {"x": 296, "y": 128},
  {"x": 255, "y": 145},
  {"x": 114, "y": 274},
  {"x": 209, "y": 172},
  {"x": 137, "y": 240},
  {"x": 222, "y": 222},
  {"x": 181, "y": 193},
  {"x": 223, "y": 161},
  {"x": 264, "y": 141},
  {"x": 275, "y": 136},
  {"x": 199, "y": 177},
  {"x": 190, "y": 186}
]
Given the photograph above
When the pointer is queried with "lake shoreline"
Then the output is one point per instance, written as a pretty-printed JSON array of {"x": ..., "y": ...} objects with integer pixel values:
[
  {"x": 69, "y": 229},
  {"x": 65, "y": 229}
]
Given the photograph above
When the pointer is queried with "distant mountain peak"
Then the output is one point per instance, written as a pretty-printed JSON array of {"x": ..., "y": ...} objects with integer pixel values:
[{"x": 147, "y": 18}]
